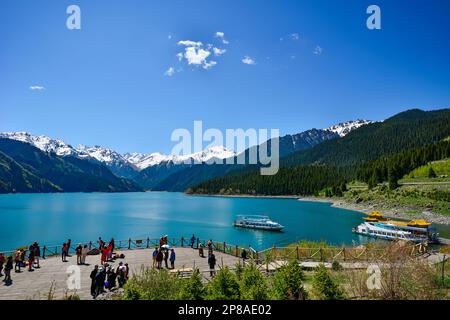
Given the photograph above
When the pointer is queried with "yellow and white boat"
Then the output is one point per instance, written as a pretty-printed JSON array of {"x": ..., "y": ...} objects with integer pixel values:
[{"x": 378, "y": 226}]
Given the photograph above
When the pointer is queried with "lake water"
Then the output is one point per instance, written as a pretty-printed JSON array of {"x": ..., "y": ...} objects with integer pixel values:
[{"x": 51, "y": 219}]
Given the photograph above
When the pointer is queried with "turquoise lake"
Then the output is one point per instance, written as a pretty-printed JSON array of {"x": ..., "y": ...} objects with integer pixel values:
[{"x": 51, "y": 219}]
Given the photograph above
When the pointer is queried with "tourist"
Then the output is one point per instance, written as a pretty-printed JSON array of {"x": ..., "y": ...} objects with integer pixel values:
[
  {"x": 111, "y": 279},
  {"x": 78, "y": 251},
  {"x": 201, "y": 252},
  {"x": 154, "y": 254},
  {"x": 92, "y": 276},
  {"x": 17, "y": 264},
  {"x": 37, "y": 255},
  {"x": 104, "y": 255},
  {"x": 112, "y": 243},
  {"x": 2, "y": 262},
  {"x": 64, "y": 252},
  {"x": 8, "y": 268},
  {"x": 161, "y": 242},
  {"x": 31, "y": 258},
  {"x": 166, "y": 258},
  {"x": 244, "y": 255},
  {"x": 84, "y": 253},
  {"x": 100, "y": 242},
  {"x": 100, "y": 281},
  {"x": 22, "y": 258},
  {"x": 127, "y": 271},
  {"x": 192, "y": 241},
  {"x": 210, "y": 247},
  {"x": 172, "y": 259},
  {"x": 109, "y": 250},
  {"x": 121, "y": 274},
  {"x": 69, "y": 244},
  {"x": 159, "y": 258},
  {"x": 212, "y": 264}
]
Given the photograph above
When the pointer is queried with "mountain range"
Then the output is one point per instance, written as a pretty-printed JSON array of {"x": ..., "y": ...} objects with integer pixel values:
[{"x": 31, "y": 163}]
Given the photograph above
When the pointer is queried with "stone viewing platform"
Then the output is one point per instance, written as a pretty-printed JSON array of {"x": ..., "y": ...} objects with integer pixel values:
[
  {"x": 53, "y": 274},
  {"x": 37, "y": 284}
]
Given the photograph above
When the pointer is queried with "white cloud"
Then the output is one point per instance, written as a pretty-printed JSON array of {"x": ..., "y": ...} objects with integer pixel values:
[
  {"x": 221, "y": 36},
  {"x": 294, "y": 36},
  {"x": 170, "y": 72},
  {"x": 218, "y": 52},
  {"x": 196, "y": 54},
  {"x": 37, "y": 88},
  {"x": 248, "y": 60},
  {"x": 209, "y": 65},
  {"x": 189, "y": 43},
  {"x": 318, "y": 50}
]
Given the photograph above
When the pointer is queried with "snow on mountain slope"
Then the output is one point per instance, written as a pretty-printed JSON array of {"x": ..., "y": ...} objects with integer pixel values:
[
  {"x": 342, "y": 129},
  {"x": 43, "y": 143},
  {"x": 142, "y": 161}
]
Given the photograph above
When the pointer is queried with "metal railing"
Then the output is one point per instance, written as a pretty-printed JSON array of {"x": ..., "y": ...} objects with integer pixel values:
[{"x": 322, "y": 254}]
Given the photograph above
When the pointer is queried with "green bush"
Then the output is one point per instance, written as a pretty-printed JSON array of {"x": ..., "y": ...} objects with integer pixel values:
[
  {"x": 193, "y": 288},
  {"x": 253, "y": 285},
  {"x": 287, "y": 283},
  {"x": 224, "y": 286},
  {"x": 324, "y": 287},
  {"x": 151, "y": 284}
]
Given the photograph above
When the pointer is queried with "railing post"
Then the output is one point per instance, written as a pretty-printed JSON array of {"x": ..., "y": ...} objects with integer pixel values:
[
  {"x": 298, "y": 256},
  {"x": 182, "y": 242},
  {"x": 43, "y": 252},
  {"x": 129, "y": 243},
  {"x": 237, "y": 251},
  {"x": 224, "y": 247},
  {"x": 148, "y": 243},
  {"x": 321, "y": 254},
  {"x": 343, "y": 252},
  {"x": 90, "y": 245}
]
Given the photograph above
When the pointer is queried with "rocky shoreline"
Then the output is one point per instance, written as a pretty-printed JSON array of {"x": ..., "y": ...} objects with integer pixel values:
[{"x": 395, "y": 213}]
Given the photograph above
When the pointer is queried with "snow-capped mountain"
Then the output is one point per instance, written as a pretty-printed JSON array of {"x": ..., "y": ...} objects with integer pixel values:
[
  {"x": 124, "y": 165},
  {"x": 342, "y": 129},
  {"x": 43, "y": 143},
  {"x": 143, "y": 161},
  {"x": 129, "y": 164}
]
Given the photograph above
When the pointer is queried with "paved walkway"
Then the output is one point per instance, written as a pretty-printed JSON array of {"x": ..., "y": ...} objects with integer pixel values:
[{"x": 36, "y": 284}]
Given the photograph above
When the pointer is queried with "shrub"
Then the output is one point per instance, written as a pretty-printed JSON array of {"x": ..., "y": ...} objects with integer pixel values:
[
  {"x": 151, "y": 284},
  {"x": 324, "y": 287},
  {"x": 287, "y": 284},
  {"x": 224, "y": 286},
  {"x": 253, "y": 285},
  {"x": 193, "y": 288}
]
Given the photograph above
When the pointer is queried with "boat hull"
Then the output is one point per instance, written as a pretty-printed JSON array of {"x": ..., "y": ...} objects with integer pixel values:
[{"x": 264, "y": 228}]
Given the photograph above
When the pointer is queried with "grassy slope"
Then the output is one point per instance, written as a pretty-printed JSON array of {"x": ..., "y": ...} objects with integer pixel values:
[{"x": 412, "y": 197}]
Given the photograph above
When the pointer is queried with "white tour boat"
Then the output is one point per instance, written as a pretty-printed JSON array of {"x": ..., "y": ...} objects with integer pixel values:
[
  {"x": 257, "y": 222},
  {"x": 379, "y": 227}
]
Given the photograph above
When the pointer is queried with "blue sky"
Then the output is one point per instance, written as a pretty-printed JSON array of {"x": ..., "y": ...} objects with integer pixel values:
[{"x": 107, "y": 84}]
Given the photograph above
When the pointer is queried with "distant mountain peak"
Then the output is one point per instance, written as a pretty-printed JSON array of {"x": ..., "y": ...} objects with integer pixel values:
[
  {"x": 344, "y": 128},
  {"x": 143, "y": 161}
]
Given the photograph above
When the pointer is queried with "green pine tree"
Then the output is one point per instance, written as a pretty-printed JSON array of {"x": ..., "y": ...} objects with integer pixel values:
[{"x": 324, "y": 287}]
